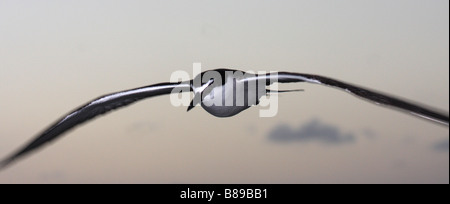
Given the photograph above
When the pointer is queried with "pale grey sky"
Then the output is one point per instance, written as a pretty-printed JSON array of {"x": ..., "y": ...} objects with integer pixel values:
[{"x": 57, "y": 55}]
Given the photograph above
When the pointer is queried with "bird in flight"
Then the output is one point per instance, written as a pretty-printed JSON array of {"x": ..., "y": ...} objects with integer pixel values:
[{"x": 222, "y": 93}]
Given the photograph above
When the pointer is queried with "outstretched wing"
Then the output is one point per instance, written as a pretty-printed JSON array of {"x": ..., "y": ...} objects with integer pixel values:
[
  {"x": 93, "y": 109},
  {"x": 377, "y": 97}
]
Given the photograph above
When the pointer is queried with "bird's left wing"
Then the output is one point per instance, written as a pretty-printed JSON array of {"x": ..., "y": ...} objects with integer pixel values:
[{"x": 93, "y": 109}]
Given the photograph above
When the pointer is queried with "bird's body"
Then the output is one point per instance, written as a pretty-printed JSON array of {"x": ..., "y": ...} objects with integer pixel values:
[
  {"x": 222, "y": 93},
  {"x": 229, "y": 93}
]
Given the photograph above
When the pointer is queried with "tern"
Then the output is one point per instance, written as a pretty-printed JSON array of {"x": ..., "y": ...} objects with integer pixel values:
[{"x": 222, "y": 93}]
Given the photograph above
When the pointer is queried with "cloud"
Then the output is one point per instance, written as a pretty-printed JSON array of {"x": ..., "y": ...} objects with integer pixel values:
[
  {"x": 441, "y": 146},
  {"x": 313, "y": 131}
]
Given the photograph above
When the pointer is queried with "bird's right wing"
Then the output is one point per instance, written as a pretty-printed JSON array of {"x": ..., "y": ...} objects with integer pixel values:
[
  {"x": 93, "y": 109},
  {"x": 374, "y": 96}
]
